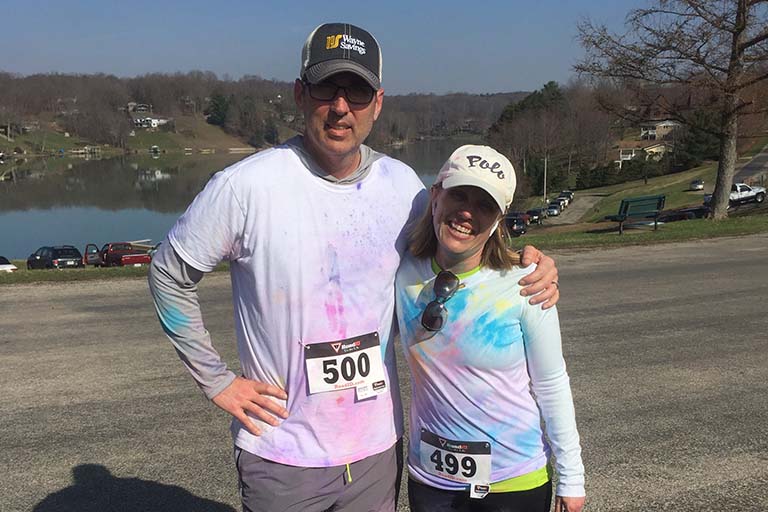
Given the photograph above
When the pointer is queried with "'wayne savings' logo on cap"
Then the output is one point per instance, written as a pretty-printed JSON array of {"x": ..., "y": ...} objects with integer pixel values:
[{"x": 345, "y": 42}]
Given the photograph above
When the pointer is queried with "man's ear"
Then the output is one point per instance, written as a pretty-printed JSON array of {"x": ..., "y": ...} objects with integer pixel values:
[{"x": 379, "y": 99}]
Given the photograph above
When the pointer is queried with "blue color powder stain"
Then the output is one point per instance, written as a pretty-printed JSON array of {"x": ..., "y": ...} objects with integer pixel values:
[
  {"x": 334, "y": 275},
  {"x": 173, "y": 320},
  {"x": 495, "y": 332}
]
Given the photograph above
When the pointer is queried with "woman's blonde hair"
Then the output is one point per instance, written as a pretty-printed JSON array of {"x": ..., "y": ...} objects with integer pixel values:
[{"x": 422, "y": 242}]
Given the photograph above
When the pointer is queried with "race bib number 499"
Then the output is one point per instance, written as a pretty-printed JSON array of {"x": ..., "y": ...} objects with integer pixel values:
[
  {"x": 351, "y": 363},
  {"x": 466, "y": 462}
]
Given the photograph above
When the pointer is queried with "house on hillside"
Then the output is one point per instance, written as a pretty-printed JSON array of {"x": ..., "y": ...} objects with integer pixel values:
[
  {"x": 656, "y": 138},
  {"x": 188, "y": 104},
  {"x": 149, "y": 122},
  {"x": 658, "y": 130},
  {"x": 30, "y": 126},
  {"x": 630, "y": 150},
  {"x": 67, "y": 106}
]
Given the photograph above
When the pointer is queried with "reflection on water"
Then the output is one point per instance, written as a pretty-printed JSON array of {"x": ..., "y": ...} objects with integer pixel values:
[
  {"x": 427, "y": 156},
  {"x": 65, "y": 201},
  {"x": 164, "y": 185}
]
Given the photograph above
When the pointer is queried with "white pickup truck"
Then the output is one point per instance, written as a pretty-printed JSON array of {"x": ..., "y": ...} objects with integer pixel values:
[{"x": 742, "y": 193}]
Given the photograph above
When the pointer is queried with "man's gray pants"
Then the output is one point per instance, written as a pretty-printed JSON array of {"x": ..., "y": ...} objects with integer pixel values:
[{"x": 368, "y": 485}]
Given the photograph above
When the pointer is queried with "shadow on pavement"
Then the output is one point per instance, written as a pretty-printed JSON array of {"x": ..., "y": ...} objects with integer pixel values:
[{"x": 97, "y": 490}]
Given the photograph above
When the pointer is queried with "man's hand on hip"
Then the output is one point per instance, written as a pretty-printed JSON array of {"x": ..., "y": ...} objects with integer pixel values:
[{"x": 252, "y": 396}]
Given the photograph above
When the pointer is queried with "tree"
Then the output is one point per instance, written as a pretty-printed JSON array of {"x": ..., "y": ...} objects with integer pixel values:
[
  {"x": 271, "y": 134},
  {"x": 217, "y": 110},
  {"x": 699, "y": 140},
  {"x": 712, "y": 51},
  {"x": 539, "y": 134}
]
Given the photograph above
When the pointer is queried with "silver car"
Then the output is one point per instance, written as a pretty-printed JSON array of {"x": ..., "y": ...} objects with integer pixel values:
[{"x": 7, "y": 266}]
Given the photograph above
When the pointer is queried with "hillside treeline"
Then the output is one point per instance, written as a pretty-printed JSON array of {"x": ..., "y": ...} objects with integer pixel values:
[
  {"x": 570, "y": 132},
  {"x": 93, "y": 106},
  {"x": 412, "y": 116}
]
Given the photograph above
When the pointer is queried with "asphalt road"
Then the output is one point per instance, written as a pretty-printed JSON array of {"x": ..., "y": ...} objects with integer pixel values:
[
  {"x": 754, "y": 168},
  {"x": 581, "y": 204},
  {"x": 667, "y": 347}
]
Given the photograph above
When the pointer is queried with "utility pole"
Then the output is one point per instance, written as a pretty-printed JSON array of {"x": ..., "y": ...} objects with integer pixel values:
[{"x": 546, "y": 158}]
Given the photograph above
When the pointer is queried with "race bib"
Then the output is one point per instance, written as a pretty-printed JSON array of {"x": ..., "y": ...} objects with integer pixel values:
[
  {"x": 467, "y": 462},
  {"x": 351, "y": 363}
]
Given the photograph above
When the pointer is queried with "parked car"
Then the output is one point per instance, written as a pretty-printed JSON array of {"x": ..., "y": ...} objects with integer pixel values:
[
  {"x": 526, "y": 218},
  {"x": 561, "y": 201},
  {"x": 59, "y": 256},
  {"x": 553, "y": 209},
  {"x": 537, "y": 215},
  {"x": 675, "y": 215},
  {"x": 568, "y": 193},
  {"x": 741, "y": 193},
  {"x": 115, "y": 254},
  {"x": 566, "y": 199},
  {"x": 696, "y": 185},
  {"x": 515, "y": 225},
  {"x": 6, "y": 266},
  {"x": 699, "y": 212},
  {"x": 91, "y": 255}
]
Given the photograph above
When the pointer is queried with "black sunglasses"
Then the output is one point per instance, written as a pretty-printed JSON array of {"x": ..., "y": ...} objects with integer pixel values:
[
  {"x": 435, "y": 314},
  {"x": 360, "y": 94}
]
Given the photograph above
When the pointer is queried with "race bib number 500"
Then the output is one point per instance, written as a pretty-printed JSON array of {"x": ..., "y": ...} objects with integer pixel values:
[{"x": 351, "y": 363}]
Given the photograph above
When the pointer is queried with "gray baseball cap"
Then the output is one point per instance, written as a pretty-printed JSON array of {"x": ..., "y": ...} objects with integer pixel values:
[{"x": 337, "y": 47}]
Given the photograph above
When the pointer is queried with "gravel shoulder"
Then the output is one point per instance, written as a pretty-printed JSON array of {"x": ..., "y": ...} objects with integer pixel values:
[{"x": 666, "y": 349}]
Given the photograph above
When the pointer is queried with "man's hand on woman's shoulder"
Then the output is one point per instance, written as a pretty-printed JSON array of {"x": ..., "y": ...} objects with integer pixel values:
[{"x": 541, "y": 284}]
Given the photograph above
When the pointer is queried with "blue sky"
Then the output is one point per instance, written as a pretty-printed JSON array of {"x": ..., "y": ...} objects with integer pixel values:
[{"x": 433, "y": 46}]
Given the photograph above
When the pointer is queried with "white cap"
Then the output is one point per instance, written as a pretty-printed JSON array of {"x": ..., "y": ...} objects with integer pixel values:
[{"x": 483, "y": 167}]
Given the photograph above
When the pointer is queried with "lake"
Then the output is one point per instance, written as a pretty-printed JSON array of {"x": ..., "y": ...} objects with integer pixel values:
[{"x": 68, "y": 201}]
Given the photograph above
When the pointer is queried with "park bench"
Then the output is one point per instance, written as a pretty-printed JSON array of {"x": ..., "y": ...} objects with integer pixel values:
[{"x": 646, "y": 207}]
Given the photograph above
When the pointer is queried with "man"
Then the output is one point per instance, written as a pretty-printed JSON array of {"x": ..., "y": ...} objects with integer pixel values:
[{"x": 314, "y": 231}]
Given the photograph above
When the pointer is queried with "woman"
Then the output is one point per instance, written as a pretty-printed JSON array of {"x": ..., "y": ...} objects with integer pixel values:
[{"x": 486, "y": 366}]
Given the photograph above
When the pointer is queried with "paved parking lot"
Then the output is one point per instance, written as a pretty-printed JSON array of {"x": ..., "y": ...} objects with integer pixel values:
[{"x": 667, "y": 348}]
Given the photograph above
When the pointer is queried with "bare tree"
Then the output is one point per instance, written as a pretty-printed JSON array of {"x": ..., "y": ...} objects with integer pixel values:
[{"x": 715, "y": 49}]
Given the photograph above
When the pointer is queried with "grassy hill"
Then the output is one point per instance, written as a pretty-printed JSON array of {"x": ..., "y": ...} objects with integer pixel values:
[
  {"x": 45, "y": 140},
  {"x": 191, "y": 132},
  {"x": 673, "y": 186},
  {"x": 593, "y": 231}
]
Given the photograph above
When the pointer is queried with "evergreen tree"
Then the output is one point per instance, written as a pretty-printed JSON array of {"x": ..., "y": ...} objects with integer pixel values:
[
  {"x": 271, "y": 135},
  {"x": 700, "y": 141},
  {"x": 217, "y": 110}
]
